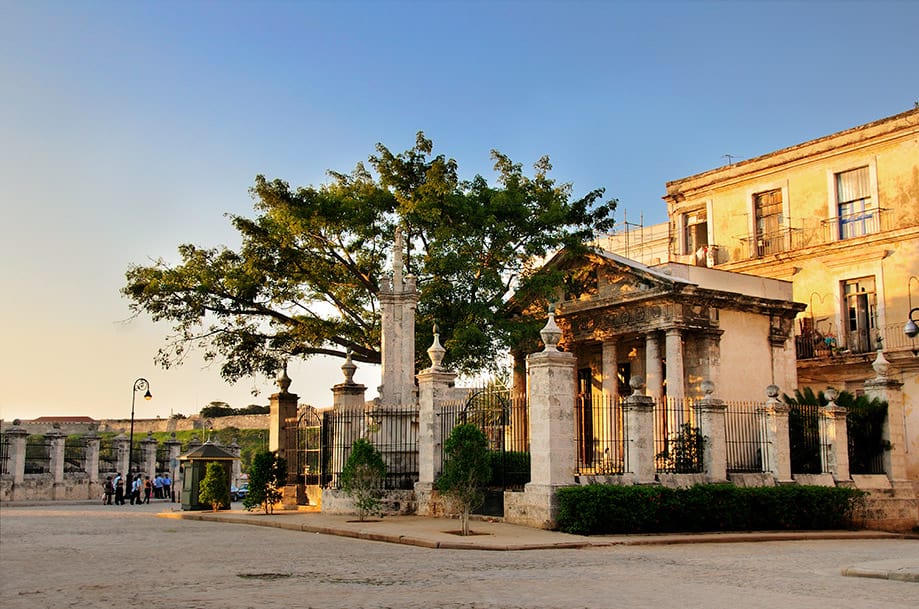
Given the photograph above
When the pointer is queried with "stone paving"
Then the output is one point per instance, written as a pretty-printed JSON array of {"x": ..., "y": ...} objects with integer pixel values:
[{"x": 117, "y": 556}]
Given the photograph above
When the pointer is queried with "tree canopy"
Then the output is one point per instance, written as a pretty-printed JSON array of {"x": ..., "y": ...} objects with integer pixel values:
[{"x": 306, "y": 277}]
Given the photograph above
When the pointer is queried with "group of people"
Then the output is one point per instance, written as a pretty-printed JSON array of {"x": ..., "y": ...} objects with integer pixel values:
[{"x": 142, "y": 489}]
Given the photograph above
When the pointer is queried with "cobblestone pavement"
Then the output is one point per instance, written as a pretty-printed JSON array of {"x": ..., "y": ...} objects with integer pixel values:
[{"x": 114, "y": 556}]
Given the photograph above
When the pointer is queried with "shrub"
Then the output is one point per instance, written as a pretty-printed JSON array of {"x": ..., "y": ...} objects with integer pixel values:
[
  {"x": 684, "y": 454},
  {"x": 362, "y": 477},
  {"x": 466, "y": 470},
  {"x": 599, "y": 509},
  {"x": 215, "y": 487},
  {"x": 267, "y": 477}
]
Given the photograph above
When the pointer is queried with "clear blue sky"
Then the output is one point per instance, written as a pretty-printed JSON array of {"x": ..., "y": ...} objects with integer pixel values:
[{"x": 127, "y": 128}]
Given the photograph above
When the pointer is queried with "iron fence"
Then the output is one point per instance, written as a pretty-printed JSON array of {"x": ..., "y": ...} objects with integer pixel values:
[
  {"x": 4, "y": 454},
  {"x": 74, "y": 454},
  {"x": 108, "y": 457},
  {"x": 38, "y": 455},
  {"x": 745, "y": 437},
  {"x": 392, "y": 430},
  {"x": 678, "y": 439},
  {"x": 600, "y": 436},
  {"x": 162, "y": 458},
  {"x": 807, "y": 452}
]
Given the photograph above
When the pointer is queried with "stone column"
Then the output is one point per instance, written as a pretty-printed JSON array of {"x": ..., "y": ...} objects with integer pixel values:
[
  {"x": 173, "y": 449},
  {"x": 777, "y": 451},
  {"x": 654, "y": 370},
  {"x": 16, "y": 464},
  {"x": 148, "y": 455},
  {"x": 91, "y": 442},
  {"x": 283, "y": 414},
  {"x": 56, "y": 440},
  {"x": 433, "y": 384},
  {"x": 639, "y": 423},
  {"x": 553, "y": 387},
  {"x": 398, "y": 300},
  {"x": 674, "y": 356},
  {"x": 121, "y": 446},
  {"x": 834, "y": 438},
  {"x": 235, "y": 450},
  {"x": 714, "y": 451},
  {"x": 610, "y": 366},
  {"x": 889, "y": 390},
  {"x": 711, "y": 346}
]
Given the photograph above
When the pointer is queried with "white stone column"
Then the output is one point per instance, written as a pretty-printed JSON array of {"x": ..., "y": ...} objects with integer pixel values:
[
  {"x": 56, "y": 440},
  {"x": 553, "y": 388},
  {"x": 91, "y": 442},
  {"x": 777, "y": 453},
  {"x": 639, "y": 423},
  {"x": 889, "y": 390},
  {"x": 610, "y": 365},
  {"x": 398, "y": 301},
  {"x": 148, "y": 450},
  {"x": 834, "y": 438},
  {"x": 674, "y": 355},
  {"x": 122, "y": 447},
  {"x": 16, "y": 464},
  {"x": 654, "y": 370},
  {"x": 714, "y": 450}
]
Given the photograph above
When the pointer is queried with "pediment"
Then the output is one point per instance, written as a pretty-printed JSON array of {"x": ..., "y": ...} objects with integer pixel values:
[{"x": 603, "y": 278}]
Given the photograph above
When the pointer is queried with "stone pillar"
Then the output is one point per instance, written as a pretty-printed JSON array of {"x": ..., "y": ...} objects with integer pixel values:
[
  {"x": 56, "y": 440},
  {"x": 553, "y": 388},
  {"x": 711, "y": 354},
  {"x": 654, "y": 369},
  {"x": 91, "y": 443},
  {"x": 283, "y": 414},
  {"x": 638, "y": 410},
  {"x": 834, "y": 438},
  {"x": 348, "y": 395},
  {"x": 121, "y": 446},
  {"x": 398, "y": 300},
  {"x": 777, "y": 449},
  {"x": 235, "y": 469},
  {"x": 16, "y": 464},
  {"x": 889, "y": 390},
  {"x": 433, "y": 383},
  {"x": 714, "y": 452},
  {"x": 173, "y": 449},
  {"x": 148, "y": 456},
  {"x": 610, "y": 366},
  {"x": 674, "y": 355}
]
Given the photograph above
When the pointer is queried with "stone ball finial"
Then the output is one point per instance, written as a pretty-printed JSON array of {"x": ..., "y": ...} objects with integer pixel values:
[
  {"x": 708, "y": 387},
  {"x": 772, "y": 392},
  {"x": 436, "y": 351},
  {"x": 283, "y": 380},
  {"x": 348, "y": 368},
  {"x": 637, "y": 383},
  {"x": 17, "y": 422},
  {"x": 551, "y": 333},
  {"x": 831, "y": 394}
]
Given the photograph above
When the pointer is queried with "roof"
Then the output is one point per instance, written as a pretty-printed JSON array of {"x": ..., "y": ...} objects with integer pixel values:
[
  {"x": 64, "y": 420},
  {"x": 208, "y": 452}
]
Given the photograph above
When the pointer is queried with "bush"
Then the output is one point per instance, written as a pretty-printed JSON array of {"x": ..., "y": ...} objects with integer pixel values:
[
  {"x": 466, "y": 470},
  {"x": 599, "y": 509},
  {"x": 362, "y": 477},
  {"x": 215, "y": 487},
  {"x": 267, "y": 477}
]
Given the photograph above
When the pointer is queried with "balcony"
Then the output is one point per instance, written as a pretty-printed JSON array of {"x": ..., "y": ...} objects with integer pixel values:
[
  {"x": 857, "y": 224},
  {"x": 776, "y": 242}
]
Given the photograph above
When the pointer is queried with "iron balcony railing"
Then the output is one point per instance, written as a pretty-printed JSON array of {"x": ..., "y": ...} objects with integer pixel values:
[
  {"x": 775, "y": 242},
  {"x": 859, "y": 224}
]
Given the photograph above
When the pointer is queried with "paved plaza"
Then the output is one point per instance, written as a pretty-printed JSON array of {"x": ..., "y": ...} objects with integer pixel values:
[{"x": 119, "y": 556}]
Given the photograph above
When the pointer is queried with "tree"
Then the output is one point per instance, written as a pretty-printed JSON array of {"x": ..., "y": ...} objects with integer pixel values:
[
  {"x": 466, "y": 470},
  {"x": 306, "y": 278},
  {"x": 215, "y": 487},
  {"x": 267, "y": 476},
  {"x": 362, "y": 477}
]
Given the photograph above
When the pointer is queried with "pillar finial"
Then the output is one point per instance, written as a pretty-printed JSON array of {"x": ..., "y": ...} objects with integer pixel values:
[
  {"x": 283, "y": 380},
  {"x": 348, "y": 368},
  {"x": 881, "y": 365},
  {"x": 436, "y": 351},
  {"x": 551, "y": 333},
  {"x": 397, "y": 265}
]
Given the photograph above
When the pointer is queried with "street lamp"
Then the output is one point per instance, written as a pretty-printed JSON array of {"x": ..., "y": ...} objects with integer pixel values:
[
  {"x": 140, "y": 384},
  {"x": 911, "y": 329}
]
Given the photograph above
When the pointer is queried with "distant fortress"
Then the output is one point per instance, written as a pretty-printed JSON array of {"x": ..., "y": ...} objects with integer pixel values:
[{"x": 83, "y": 425}]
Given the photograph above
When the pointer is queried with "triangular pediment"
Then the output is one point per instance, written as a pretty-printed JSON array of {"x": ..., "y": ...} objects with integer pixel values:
[{"x": 605, "y": 277}]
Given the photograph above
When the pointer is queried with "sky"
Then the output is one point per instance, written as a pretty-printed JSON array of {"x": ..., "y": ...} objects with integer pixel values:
[{"x": 129, "y": 128}]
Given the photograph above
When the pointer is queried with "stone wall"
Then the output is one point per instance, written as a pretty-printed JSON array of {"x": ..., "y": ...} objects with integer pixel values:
[{"x": 142, "y": 426}]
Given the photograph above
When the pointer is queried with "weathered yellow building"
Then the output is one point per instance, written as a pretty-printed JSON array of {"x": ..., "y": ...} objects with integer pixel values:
[{"x": 838, "y": 217}]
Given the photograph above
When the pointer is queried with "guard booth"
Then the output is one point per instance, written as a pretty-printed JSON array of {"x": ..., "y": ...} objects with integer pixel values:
[{"x": 193, "y": 465}]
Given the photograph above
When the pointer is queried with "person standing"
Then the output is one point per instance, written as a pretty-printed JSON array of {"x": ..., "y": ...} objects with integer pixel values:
[
  {"x": 108, "y": 490},
  {"x": 119, "y": 489},
  {"x": 167, "y": 487},
  {"x": 158, "y": 487},
  {"x": 148, "y": 489},
  {"x": 135, "y": 490}
]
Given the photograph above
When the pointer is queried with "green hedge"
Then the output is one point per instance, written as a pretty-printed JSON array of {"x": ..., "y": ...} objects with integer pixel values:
[{"x": 601, "y": 509}]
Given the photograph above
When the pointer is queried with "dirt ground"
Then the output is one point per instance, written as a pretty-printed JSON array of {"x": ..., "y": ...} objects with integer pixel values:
[{"x": 120, "y": 556}]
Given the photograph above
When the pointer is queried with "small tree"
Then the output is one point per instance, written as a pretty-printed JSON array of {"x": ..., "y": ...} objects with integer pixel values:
[
  {"x": 466, "y": 470},
  {"x": 215, "y": 487},
  {"x": 267, "y": 476},
  {"x": 362, "y": 477}
]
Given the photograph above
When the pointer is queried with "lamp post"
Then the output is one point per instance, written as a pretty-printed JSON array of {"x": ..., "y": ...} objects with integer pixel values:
[
  {"x": 140, "y": 384},
  {"x": 911, "y": 329}
]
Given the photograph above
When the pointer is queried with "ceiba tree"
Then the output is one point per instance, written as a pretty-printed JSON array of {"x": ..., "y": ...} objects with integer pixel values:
[{"x": 305, "y": 280}]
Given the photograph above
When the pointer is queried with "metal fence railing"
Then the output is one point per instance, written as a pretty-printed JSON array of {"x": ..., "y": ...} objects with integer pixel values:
[
  {"x": 807, "y": 452},
  {"x": 4, "y": 454},
  {"x": 38, "y": 455},
  {"x": 74, "y": 455},
  {"x": 745, "y": 437},
  {"x": 600, "y": 436},
  {"x": 678, "y": 438}
]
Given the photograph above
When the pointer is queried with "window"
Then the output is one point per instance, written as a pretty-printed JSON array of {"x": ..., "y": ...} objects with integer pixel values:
[
  {"x": 695, "y": 232},
  {"x": 767, "y": 213},
  {"x": 861, "y": 314},
  {"x": 854, "y": 205}
]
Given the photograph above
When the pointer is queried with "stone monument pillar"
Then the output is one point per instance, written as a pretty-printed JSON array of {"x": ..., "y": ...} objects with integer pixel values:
[
  {"x": 638, "y": 411},
  {"x": 433, "y": 383},
  {"x": 714, "y": 451},
  {"x": 777, "y": 451},
  {"x": 398, "y": 300},
  {"x": 553, "y": 390}
]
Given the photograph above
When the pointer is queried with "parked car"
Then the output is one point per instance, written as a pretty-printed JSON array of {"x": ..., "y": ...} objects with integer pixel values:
[
  {"x": 234, "y": 493},
  {"x": 242, "y": 491}
]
